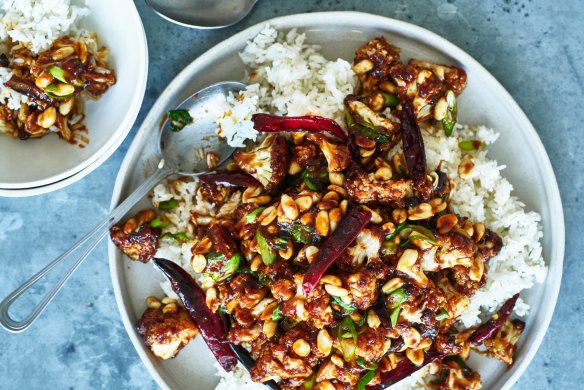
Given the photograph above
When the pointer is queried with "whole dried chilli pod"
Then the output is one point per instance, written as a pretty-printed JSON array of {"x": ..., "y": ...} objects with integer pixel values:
[
  {"x": 491, "y": 327},
  {"x": 347, "y": 231},
  {"x": 404, "y": 369},
  {"x": 267, "y": 123},
  {"x": 28, "y": 88},
  {"x": 235, "y": 179},
  {"x": 209, "y": 323},
  {"x": 413, "y": 143}
]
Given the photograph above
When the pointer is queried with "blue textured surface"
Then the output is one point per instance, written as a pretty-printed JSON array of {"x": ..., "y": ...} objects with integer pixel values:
[{"x": 534, "y": 48}]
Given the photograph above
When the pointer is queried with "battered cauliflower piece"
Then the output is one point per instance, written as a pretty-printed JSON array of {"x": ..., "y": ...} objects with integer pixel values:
[
  {"x": 136, "y": 238},
  {"x": 268, "y": 163},
  {"x": 166, "y": 329},
  {"x": 365, "y": 189}
]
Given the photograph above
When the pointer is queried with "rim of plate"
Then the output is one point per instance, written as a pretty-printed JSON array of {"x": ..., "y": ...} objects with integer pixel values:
[
  {"x": 554, "y": 275},
  {"x": 88, "y": 165}
]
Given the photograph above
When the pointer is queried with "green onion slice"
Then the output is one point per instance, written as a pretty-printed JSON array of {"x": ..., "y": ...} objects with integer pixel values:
[
  {"x": 253, "y": 216},
  {"x": 309, "y": 384},
  {"x": 347, "y": 308},
  {"x": 397, "y": 296},
  {"x": 167, "y": 204},
  {"x": 58, "y": 73},
  {"x": 471, "y": 145},
  {"x": 214, "y": 256},
  {"x": 277, "y": 314},
  {"x": 268, "y": 254},
  {"x": 348, "y": 348},
  {"x": 394, "y": 316},
  {"x": 389, "y": 99},
  {"x": 362, "y": 384},
  {"x": 451, "y": 113},
  {"x": 158, "y": 223},
  {"x": 442, "y": 314}
]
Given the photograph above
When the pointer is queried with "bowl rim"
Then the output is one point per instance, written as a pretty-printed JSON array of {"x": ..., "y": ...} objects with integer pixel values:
[
  {"x": 553, "y": 278},
  {"x": 72, "y": 175}
]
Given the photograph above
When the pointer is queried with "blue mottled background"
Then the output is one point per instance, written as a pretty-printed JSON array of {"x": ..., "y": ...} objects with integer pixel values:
[{"x": 534, "y": 48}]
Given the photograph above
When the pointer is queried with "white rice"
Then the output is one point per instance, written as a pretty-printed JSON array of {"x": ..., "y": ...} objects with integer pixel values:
[
  {"x": 287, "y": 77},
  {"x": 37, "y": 23},
  {"x": 294, "y": 79}
]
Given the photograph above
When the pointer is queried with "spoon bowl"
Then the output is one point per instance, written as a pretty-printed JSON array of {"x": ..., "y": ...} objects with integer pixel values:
[
  {"x": 185, "y": 151},
  {"x": 181, "y": 152},
  {"x": 203, "y": 14}
]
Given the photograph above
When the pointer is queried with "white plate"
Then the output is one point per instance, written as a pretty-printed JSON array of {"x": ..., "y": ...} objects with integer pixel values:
[
  {"x": 485, "y": 101},
  {"x": 41, "y": 162}
]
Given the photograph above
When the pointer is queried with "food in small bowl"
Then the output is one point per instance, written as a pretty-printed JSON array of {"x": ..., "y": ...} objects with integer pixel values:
[{"x": 44, "y": 81}]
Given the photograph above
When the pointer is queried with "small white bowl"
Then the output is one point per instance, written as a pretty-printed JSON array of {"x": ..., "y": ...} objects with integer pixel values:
[{"x": 43, "y": 165}]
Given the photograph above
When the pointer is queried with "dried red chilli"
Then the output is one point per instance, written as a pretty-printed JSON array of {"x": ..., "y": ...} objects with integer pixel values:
[
  {"x": 267, "y": 123},
  {"x": 209, "y": 323},
  {"x": 413, "y": 144},
  {"x": 491, "y": 327},
  {"x": 404, "y": 369},
  {"x": 28, "y": 88},
  {"x": 229, "y": 179},
  {"x": 347, "y": 231}
]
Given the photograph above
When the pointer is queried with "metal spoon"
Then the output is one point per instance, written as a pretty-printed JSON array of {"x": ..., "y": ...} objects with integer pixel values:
[
  {"x": 202, "y": 13},
  {"x": 177, "y": 156}
]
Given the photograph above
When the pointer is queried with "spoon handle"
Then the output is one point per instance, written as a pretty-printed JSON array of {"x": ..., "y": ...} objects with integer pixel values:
[{"x": 85, "y": 245}]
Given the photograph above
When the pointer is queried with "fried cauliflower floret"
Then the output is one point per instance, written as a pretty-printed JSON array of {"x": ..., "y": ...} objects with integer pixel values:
[
  {"x": 363, "y": 188},
  {"x": 504, "y": 344},
  {"x": 337, "y": 155},
  {"x": 166, "y": 329},
  {"x": 268, "y": 163},
  {"x": 136, "y": 238}
]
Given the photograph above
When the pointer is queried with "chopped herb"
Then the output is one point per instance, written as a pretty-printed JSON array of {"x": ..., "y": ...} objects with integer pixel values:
[
  {"x": 167, "y": 204},
  {"x": 214, "y": 256},
  {"x": 348, "y": 348},
  {"x": 58, "y": 73},
  {"x": 302, "y": 233},
  {"x": 268, "y": 254},
  {"x": 179, "y": 119},
  {"x": 450, "y": 120},
  {"x": 253, "y": 216},
  {"x": 362, "y": 384},
  {"x": 222, "y": 310},
  {"x": 442, "y": 314},
  {"x": 471, "y": 144},
  {"x": 347, "y": 308},
  {"x": 280, "y": 243},
  {"x": 264, "y": 280},
  {"x": 158, "y": 223},
  {"x": 277, "y": 314}
]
